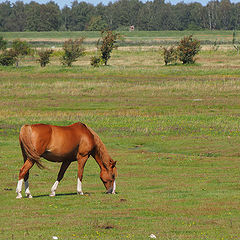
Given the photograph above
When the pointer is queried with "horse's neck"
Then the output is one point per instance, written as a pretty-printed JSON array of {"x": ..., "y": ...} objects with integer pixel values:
[
  {"x": 103, "y": 159},
  {"x": 101, "y": 154}
]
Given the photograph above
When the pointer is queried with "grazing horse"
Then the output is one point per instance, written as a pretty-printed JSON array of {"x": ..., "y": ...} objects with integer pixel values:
[{"x": 64, "y": 144}]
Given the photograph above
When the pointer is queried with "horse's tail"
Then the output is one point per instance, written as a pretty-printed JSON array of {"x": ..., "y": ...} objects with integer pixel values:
[{"x": 27, "y": 146}]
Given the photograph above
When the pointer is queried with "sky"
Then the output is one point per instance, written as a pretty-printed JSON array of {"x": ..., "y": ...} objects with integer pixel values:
[{"x": 62, "y": 3}]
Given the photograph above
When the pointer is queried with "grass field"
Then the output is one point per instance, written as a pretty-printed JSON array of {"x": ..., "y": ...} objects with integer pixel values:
[
  {"x": 136, "y": 38},
  {"x": 174, "y": 131}
]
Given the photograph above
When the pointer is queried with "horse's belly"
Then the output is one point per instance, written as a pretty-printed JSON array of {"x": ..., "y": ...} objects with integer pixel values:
[{"x": 59, "y": 157}]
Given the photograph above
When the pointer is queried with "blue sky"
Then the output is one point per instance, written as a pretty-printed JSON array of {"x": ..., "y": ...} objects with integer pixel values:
[{"x": 62, "y": 3}]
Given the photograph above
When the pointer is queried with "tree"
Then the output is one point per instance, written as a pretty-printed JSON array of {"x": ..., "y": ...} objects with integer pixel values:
[
  {"x": 96, "y": 24},
  {"x": 43, "y": 17},
  {"x": 187, "y": 49},
  {"x": 5, "y": 12},
  {"x": 80, "y": 16},
  {"x": 108, "y": 40},
  {"x": 16, "y": 22},
  {"x": 72, "y": 51}
]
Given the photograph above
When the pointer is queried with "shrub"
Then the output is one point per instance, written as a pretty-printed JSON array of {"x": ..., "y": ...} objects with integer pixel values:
[
  {"x": 8, "y": 58},
  {"x": 170, "y": 55},
  {"x": 3, "y": 44},
  {"x": 108, "y": 40},
  {"x": 96, "y": 61},
  {"x": 44, "y": 56},
  {"x": 72, "y": 51},
  {"x": 187, "y": 49}
]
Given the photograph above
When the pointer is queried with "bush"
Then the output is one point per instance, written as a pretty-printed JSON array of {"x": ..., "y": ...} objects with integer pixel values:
[
  {"x": 44, "y": 56},
  {"x": 170, "y": 55},
  {"x": 8, "y": 58},
  {"x": 187, "y": 49},
  {"x": 72, "y": 51},
  {"x": 109, "y": 40},
  {"x": 20, "y": 49}
]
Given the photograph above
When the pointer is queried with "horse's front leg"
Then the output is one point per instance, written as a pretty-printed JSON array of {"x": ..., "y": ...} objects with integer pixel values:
[
  {"x": 23, "y": 171},
  {"x": 62, "y": 170},
  {"x": 81, "y": 163}
]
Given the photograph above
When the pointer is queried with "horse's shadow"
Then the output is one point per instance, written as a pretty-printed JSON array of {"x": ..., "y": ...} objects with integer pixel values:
[
  {"x": 65, "y": 194},
  {"x": 57, "y": 195}
]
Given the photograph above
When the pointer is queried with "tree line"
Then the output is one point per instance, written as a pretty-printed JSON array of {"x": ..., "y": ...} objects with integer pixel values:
[{"x": 153, "y": 15}]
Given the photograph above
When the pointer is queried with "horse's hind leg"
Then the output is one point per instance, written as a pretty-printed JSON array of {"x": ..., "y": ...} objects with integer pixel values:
[
  {"x": 24, "y": 171},
  {"x": 27, "y": 191},
  {"x": 63, "y": 169}
]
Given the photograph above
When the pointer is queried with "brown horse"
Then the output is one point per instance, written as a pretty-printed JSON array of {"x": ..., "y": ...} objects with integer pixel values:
[{"x": 64, "y": 144}]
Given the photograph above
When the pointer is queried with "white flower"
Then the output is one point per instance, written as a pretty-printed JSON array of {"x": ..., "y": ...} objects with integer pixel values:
[
  {"x": 152, "y": 236},
  {"x": 54, "y": 237}
]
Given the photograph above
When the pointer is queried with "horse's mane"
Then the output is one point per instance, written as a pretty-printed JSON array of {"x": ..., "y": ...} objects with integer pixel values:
[{"x": 101, "y": 148}]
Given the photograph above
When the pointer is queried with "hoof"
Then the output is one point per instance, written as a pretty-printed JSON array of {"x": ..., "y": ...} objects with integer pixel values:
[
  {"x": 80, "y": 193},
  {"x": 29, "y": 195},
  {"x": 19, "y": 195},
  {"x": 53, "y": 194}
]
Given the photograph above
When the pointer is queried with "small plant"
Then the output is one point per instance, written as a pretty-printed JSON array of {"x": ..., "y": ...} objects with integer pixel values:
[
  {"x": 215, "y": 46},
  {"x": 72, "y": 51},
  {"x": 236, "y": 44},
  {"x": 20, "y": 49},
  {"x": 44, "y": 56},
  {"x": 96, "y": 61},
  {"x": 170, "y": 55},
  {"x": 187, "y": 49},
  {"x": 108, "y": 40}
]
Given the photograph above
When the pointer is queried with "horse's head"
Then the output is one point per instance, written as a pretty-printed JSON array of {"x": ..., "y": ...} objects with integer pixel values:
[{"x": 108, "y": 177}]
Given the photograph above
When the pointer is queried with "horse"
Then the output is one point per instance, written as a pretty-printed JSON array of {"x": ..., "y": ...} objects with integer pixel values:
[{"x": 65, "y": 144}]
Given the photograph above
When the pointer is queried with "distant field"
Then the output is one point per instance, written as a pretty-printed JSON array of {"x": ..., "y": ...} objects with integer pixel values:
[
  {"x": 174, "y": 131},
  {"x": 131, "y": 38}
]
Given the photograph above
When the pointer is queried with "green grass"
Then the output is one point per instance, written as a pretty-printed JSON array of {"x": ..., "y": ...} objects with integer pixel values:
[
  {"x": 138, "y": 38},
  {"x": 173, "y": 130}
]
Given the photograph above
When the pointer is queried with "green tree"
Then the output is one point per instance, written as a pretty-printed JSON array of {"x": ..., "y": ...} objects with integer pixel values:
[
  {"x": 80, "y": 16},
  {"x": 72, "y": 51},
  {"x": 96, "y": 24},
  {"x": 5, "y": 12},
  {"x": 16, "y": 22},
  {"x": 43, "y": 17},
  {"x": 187, "y": 49}
]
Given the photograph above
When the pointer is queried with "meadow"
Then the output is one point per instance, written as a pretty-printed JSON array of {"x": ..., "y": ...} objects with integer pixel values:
[{"x": 174, "y": 131}]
